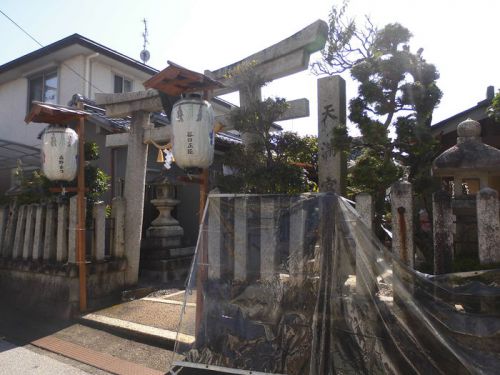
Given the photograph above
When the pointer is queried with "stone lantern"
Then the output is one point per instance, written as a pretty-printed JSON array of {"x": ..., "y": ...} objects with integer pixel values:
[
  {"x": 162, "y": 256},
  {"x": 165, "y": 228},
  {"x": 470, "y": 165},
  {"x": 470, "y": 172}
]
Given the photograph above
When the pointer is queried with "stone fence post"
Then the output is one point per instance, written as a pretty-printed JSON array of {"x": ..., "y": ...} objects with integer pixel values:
[
  {"x": 364, "y": 206},
  {"x": 62, "y": 244},
  {"x": 51, "y": 228},
  {"x": 10, "y": 230},
  {"x": 298, "y": 231},
  {"x": 402, "y": 239},
  {"x": 240, "y": 239},
  {"x": 364, "y": 284},
  {"x": 99, "y": 238},
  {"x": 214, "y": 238},
  {"x": 37, "y": 251},
  {"x": 17, "y": 248},
  {"x": 488, "y": 226},
  {"x": 402, "y": 222},
  {"x": 72, "y": 229},
  {"x": 29, "y": 232},
  {"x": 443, "y": 232},
  {"x": 4, "y": 214},
  {"x": 118, "y": 238},
  {"x": 269, "y": 207}
]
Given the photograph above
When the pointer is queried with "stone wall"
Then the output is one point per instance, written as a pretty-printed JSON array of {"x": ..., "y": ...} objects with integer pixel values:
[
  {"x": 38, "y": 267},
  {"x": 54, "y": 291}
]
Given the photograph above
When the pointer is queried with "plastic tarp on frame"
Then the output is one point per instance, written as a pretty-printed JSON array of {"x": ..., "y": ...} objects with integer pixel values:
[{"x": 299, "y": 285}]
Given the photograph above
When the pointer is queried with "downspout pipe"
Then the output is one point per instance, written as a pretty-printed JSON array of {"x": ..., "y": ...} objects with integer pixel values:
[{"x": 86, "y": 91}]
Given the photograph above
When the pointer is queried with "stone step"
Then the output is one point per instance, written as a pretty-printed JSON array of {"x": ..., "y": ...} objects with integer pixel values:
[
  {"x": 163, "y": 253},
  {"x": 165, "y": 270}
]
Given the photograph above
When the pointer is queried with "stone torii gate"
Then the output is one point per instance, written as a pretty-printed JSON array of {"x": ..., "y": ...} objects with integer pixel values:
[{"x": 282, "y": 59}]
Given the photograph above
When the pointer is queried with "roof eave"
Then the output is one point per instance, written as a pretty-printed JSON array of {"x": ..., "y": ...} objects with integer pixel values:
[{"x": 80, "y": 40}]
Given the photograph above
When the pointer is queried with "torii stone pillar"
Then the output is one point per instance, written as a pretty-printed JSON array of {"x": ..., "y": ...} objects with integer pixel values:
[
  {"x": 138, "y": 105},
  {"x": 287, "y": 57},
  {"x": 331, "y": 114}
]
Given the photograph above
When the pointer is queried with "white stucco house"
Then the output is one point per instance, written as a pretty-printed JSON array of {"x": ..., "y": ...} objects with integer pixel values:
[
  {"x": 73, "y": 65},
  {"x": 54, "y": 74}
]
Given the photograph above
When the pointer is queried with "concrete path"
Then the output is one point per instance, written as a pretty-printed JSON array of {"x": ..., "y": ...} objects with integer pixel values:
[
  {"x": 140, "y": 331},
  {"x": 20, "y": 361},
  {"x": 25, "y": 331},
  {"x": 155, "y": 318}
]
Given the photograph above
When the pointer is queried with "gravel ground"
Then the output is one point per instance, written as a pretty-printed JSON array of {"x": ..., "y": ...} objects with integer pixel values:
[{"x": 154, "y": 314}]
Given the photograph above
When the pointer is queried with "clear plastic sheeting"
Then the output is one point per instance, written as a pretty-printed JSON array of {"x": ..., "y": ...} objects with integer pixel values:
[{"x": 298, "y": 285}]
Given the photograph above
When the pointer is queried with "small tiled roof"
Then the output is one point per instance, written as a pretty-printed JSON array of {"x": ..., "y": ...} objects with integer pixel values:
[
  {"x": 176, "y": 80},
  {"x": 53, "y": 113},
  {"x": 122, "y": 124}
]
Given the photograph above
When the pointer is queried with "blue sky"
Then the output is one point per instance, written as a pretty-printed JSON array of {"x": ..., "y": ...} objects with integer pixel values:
[{"x": 457, "y": 36}]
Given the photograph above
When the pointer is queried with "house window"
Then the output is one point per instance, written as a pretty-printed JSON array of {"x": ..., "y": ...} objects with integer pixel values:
[
  {"x": 43, "y": 87},
  {"x": 122, "y": 84}
]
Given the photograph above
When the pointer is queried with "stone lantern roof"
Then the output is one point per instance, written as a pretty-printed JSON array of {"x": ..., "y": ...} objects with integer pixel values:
[{"x": 470, "y": 154}]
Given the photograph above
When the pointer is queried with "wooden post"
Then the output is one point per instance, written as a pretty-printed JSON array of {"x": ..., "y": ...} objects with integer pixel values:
[
  {"x": 203, "y": 256},
  {"x": 202, "y": 271},
  {"x": 81, "y": 215}
]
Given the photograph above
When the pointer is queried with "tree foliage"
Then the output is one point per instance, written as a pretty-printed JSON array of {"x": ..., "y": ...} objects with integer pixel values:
[
  {"x": 397, "y": 93},
  {"x": 271, "y": 161},
  {"x": 346, "y": 43},
  {"x": 494, "y": 108},
  {"x": 34, "y": 188}
]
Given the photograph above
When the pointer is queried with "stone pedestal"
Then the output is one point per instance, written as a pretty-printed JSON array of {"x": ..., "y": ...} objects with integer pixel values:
[
  {"x": 165, "y": 230},
  {"x": 162, "y": 257}
]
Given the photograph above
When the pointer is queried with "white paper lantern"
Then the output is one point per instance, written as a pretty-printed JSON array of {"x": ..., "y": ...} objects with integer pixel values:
[
  {"x": 59, "y": 153},
  {"x": 193, "y": 128}
]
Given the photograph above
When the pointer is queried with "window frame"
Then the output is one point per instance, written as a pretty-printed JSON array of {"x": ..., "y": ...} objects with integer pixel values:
[
  {"x": 123, "y": 79},
  {"x": 43, "y": 75}
]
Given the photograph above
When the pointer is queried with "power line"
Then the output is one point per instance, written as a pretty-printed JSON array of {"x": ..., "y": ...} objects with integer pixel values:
[
  {"x": 20, "y": 28},
  {"x": 41, "y": 45}
]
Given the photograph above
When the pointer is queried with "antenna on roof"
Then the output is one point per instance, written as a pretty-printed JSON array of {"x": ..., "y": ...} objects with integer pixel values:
[{"x": 145, "y": 55}]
